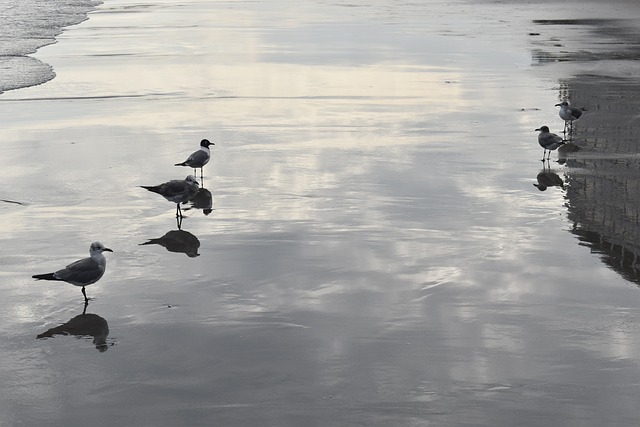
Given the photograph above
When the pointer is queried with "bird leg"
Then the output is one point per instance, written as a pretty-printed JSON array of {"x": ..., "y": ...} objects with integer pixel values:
[{"x": 86, "y": 300}]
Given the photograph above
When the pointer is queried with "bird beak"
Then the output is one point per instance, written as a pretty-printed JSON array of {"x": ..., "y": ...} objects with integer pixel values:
[
  {"x": 538, "y": 129},
  {"x": 558, "y": 105},
  {"x": 106, "y": 250}
]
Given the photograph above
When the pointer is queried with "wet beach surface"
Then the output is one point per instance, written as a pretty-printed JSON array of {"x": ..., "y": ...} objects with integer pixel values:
[{"x": 375, "y": 253}]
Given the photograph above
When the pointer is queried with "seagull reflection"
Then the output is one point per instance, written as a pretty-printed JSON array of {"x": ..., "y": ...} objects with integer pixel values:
[
  {"x": 566, "y": 151},
  {"x": 178, "y": 241},
  {"x": 202, "y": 200},
  {"x": 83, "y": 325},
  {"x": 548, "y": 178}
]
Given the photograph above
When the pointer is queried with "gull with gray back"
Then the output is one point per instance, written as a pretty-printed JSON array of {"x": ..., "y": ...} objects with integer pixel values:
[
  {"x": 176, "y": 191},
  {"x": 83, "y": 272},
  {"x": 549, "y": 141},
  {"x": 568, "y": 114},
  {"x": 198, "y": 158}
]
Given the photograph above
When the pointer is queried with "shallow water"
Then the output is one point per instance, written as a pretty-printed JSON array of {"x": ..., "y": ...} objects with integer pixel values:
[
  {"x": 376, "y": 253},
  {"x": 27, "y": 25}
]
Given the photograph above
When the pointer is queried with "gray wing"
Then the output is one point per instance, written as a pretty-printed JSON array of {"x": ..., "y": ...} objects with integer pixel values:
[
  {"x": 81, "y": 273},
  {"x": 176, "y": 191},
  {"x": 174, "y": 188},
  {"x": 198, "y": 158},
  {"x": 575, "y": 112}
]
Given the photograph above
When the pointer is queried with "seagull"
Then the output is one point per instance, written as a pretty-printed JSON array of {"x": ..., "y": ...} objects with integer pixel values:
[
  {"x": 568, "y": 114},
  {"x": 199, "y": 158},
  {"x": 83, "y": 272},
  {"x": 548, "y": 141},
  {"x": 176, "y": 191}
]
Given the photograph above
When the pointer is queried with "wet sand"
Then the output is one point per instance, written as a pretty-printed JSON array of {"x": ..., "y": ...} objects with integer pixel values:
[{"x": 376, "y": 253}]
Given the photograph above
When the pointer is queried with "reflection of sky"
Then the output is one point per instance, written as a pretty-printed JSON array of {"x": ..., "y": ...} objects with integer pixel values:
[{"x": 375, "y": 238}]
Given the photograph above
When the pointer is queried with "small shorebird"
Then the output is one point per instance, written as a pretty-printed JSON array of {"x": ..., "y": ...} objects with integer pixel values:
[
  {"x": 199, "y": 158},
  {"x": 176, "y": 191},
  {"x": 568, "y": 114},
  {"x": 83, "y": 272},
  {"x": 549, "y": 141}
]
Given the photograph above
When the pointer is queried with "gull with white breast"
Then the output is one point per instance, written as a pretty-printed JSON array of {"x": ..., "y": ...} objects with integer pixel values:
[
  {"x": 568, "y": 114},
  {"x": 177, "y": 191},
  {"x": 84, "y": 272},
  {"x": 199, "y": 158},
  {"x": 549, "y": 141}
]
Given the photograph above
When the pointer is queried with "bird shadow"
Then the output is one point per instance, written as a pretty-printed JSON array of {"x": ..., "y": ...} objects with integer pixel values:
[{"x": 85, "y": 325}]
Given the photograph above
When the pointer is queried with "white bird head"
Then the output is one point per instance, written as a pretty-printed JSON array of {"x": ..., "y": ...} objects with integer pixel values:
[
  {"x": 98, "y": 248},
  {"x": 192, "y": 180}
]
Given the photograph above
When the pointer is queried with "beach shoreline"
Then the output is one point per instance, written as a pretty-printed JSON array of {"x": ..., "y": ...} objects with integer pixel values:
[{"x": 374, "y": 252}]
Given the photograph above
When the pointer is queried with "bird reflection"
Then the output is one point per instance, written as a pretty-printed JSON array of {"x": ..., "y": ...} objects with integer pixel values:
[
  {"x": 202, "y": 200},
  {"x": 548, "y": 178},
  {"x": 83, "y": 325},
  {"x": 566, "y": 151},
  {"x": 177, "y": 241}
]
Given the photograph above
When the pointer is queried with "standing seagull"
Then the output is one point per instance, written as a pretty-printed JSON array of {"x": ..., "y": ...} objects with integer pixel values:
[
  {"x": 199, "y": 158},
  {"x": 176, "y": 191},
  {"x": 548, "y": 141},
  {"x": 83, "y": 272},
  {"x": 568, "y": 114}
]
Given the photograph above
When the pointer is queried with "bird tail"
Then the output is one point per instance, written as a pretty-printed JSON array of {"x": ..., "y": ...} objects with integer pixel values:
[
  {"x": 153, "y": 188},
  {"x": 47, "y": 276},
  {"x": 181, "y": 164},
  {"x": 151, "y": 242}
]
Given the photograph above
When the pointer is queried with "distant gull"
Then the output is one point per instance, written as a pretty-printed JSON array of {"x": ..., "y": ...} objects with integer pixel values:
[
  {"x": 199, "y": 158},
  {"x": 549, "y": 141},
  {"x": 568, "y": 114},
  {"x": 176, "y": 191},
  {"x": 83, "y": 272}
]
